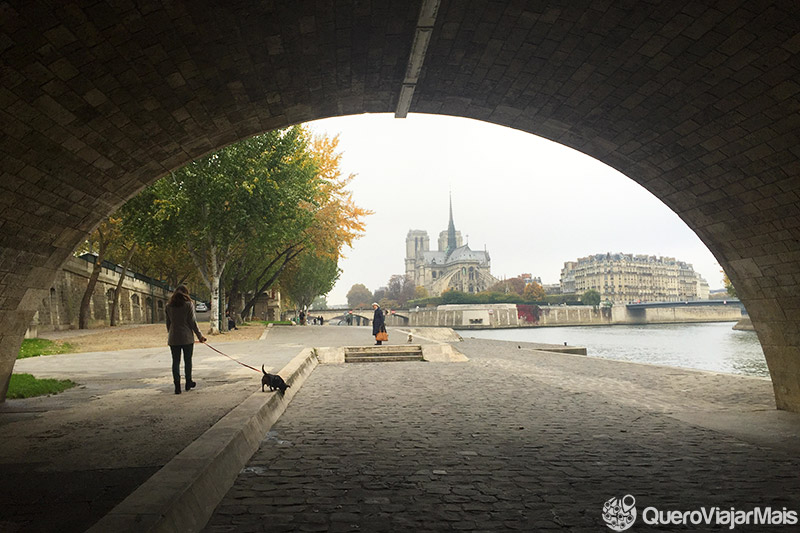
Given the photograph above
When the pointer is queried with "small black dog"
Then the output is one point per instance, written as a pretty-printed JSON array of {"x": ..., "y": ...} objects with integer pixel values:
[{"x": 273, "y": 381}]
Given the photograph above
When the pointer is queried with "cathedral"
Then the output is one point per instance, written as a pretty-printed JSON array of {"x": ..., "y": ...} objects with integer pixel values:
[{"x": 454, "y": 266}]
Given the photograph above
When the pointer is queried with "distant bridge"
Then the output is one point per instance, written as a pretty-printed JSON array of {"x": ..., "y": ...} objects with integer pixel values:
[{"x": 359, "y": 317}]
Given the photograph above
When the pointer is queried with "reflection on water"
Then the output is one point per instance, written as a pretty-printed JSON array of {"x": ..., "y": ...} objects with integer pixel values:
[{"x": 715, "y": 347}]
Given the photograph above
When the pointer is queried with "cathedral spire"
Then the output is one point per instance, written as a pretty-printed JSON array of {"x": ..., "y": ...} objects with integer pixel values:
[{"x": 451, "y": 230}]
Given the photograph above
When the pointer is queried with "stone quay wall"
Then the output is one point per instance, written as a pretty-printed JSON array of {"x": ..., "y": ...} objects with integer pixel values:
[
  {"x": 495, "y": 316},
  {"x": 140, "y": 302}
]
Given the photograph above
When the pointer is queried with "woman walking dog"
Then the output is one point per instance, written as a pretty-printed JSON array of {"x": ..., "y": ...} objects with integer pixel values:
[{"x": 181, "y": 325}]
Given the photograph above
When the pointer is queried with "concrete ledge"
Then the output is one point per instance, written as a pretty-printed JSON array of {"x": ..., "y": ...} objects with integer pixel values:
[
  {"x": 437, "y": 353},
  {"x": 432, "y": 333},
  {"x": 330, "y": 355},
  {"x": 182, "y": 495},
  {"x": 442, "y": 353}
]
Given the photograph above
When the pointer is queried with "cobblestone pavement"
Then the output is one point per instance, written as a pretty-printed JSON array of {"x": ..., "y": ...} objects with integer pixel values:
[
  {"x": 68, "y": 459},
  {"x": 512, "y": 440}
]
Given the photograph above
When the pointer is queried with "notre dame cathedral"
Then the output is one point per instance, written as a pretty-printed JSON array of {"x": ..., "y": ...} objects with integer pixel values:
[{"x": 454, "y": 266}]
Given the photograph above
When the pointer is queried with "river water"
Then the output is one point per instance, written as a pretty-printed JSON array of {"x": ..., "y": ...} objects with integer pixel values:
[{"x": 713, "y": 346}]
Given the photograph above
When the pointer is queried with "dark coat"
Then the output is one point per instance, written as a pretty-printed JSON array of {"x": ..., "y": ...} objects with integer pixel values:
[{"x": 378, "y": 322}]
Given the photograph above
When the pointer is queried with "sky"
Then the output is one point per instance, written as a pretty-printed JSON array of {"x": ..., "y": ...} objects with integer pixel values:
[{"x": 531, "y": 203}]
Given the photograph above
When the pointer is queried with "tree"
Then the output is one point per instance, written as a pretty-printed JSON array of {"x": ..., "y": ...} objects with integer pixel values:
[
  {"x": 99, "y": 242},
  {"x": 591, "y": 297},
  {"x": 335, "y": 222},
  {"x": 420, "y": 292},
  {"x": 115, "y": 302},
  {"x": 399, "y": 290},
  {"x": 533, "y": 292},
  {"x": 728, "y": 285},
  {"x": 309, "y": 277},
  {"x": 515, "y": 285},
  {"x": 359, "y": 296},
  {"x": 216, "y": 206},
  {"x": 320, "y": 303}
]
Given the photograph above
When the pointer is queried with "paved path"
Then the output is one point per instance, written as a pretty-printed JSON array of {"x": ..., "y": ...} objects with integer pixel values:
[
  {"x": 68, "y": 459},
  {"x": 513, "y": 440}
]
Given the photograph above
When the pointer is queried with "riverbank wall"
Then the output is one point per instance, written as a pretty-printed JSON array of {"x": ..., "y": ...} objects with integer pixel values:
[{"x": 496, "y": 316}]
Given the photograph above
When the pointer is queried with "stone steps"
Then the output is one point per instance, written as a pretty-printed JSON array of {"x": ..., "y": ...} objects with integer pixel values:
[{"x": 382, "y": 354}]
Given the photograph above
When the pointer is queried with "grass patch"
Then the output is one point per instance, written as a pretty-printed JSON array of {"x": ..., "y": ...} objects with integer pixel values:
[
  {"x": 27, "y": 386},
  {"x": 276, "y": 322},
  {"x": 36, "y": 347}
]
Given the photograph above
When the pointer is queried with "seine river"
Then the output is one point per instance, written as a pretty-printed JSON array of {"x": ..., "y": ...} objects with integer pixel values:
[{"x": 714, "y": 346}]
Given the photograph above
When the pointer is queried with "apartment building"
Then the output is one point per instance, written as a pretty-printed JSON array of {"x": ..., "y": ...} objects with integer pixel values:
[{"x": 625, "y": 278}]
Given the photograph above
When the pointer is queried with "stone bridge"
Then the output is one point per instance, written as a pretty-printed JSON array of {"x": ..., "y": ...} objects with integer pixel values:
[
  {"x": 696, "y": 102},
  {"x": 362, "y": 317}
]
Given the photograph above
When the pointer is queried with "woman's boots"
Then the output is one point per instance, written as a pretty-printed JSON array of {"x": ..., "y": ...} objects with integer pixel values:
[{"x": 178, "y": 387}]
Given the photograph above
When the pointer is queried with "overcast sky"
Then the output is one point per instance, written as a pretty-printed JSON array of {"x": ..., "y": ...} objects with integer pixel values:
[{"x": 532, "y": 203}]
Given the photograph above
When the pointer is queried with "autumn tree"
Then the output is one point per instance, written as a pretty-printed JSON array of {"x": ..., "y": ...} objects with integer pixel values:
[
  {"x": 359, "y": 296},
  {"x": 533, "y": 292},
  {"x": 334, "y": 223},
  {"x": 728, "y": 285},
  {"x": 515, "y": 285}
]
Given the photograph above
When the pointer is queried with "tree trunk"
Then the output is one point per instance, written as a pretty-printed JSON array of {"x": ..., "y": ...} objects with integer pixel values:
[
  {"x": 83, "y": 314},
  {"x": 234, "y": 299},
  {"x": 211, "y": 272},
  {"x": 271, "y": 280},
  {"x": 223, "y": 323},
  {"x": 214, "y": 288},
  {"x": 115, "y": 302}
]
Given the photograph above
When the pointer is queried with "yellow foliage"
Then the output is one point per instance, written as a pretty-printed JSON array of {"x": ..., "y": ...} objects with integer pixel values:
[{"x": 337, "y": 220}]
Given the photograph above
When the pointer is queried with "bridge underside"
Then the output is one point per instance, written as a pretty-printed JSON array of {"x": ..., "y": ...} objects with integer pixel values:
[{"x": 697, "y": 104}]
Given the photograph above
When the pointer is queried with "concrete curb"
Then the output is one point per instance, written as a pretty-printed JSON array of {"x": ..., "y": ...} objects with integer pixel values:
[
  {"x": 182, "y": 495},
  {"x": 265, "y": 332}
]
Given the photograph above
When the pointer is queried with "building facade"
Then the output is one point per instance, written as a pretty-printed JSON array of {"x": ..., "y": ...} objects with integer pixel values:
[
  {"x": 141, "y": 300},
  {"x": 626, "y": 278},
  {"x": 454, "y": 266}
]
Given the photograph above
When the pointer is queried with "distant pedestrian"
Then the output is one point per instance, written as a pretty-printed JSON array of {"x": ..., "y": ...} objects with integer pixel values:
[
  {"x": 321, "y": 321},
  {"x": 181, "y": 325},
  {"x": 378, "y": 323},
  {"x": 231, "y": 321}
]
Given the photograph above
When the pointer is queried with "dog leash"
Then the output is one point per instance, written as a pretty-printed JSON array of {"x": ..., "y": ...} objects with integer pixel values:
[{"x": 231, "y": 358}]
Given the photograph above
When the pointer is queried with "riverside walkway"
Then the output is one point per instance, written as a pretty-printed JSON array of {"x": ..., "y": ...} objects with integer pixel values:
[{"x": 515, "y": 438}]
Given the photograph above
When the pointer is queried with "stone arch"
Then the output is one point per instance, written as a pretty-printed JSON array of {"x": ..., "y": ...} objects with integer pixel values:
[{"x": 698, "y": 104}]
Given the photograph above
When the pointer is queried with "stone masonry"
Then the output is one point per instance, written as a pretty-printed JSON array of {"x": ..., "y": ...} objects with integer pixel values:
[{"x": 697, "y": 103}]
